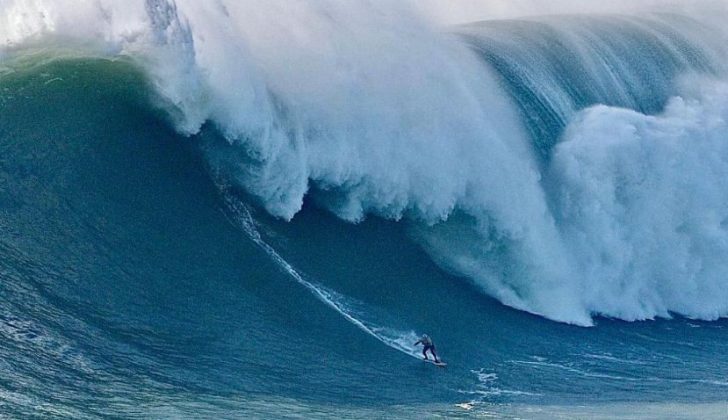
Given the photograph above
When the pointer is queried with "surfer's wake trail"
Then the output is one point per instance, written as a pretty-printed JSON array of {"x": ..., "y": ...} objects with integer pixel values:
[{"x": 239, "y": 216}]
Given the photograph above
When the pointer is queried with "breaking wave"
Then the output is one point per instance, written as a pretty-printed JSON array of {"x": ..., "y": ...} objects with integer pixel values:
[{"x": 571, "y": 166}]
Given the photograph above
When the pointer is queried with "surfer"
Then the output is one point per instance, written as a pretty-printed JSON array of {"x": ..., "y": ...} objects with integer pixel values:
[{"x": 427, "y": 342}]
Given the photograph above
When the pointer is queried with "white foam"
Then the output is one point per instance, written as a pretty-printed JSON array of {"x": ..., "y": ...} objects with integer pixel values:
[
  {"x": 643, "y": 207},
  {"x": 487, "y": 388}
]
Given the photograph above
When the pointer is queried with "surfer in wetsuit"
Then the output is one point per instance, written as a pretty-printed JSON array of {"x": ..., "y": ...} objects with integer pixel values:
[{"x": 427, "y": 342}]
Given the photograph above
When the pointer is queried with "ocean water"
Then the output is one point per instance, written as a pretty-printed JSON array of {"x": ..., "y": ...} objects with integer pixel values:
[{"x": 236, "y": 210}]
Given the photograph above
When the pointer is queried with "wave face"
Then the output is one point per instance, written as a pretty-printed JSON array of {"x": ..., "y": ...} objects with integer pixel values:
[{"x": 577, "y": 159}]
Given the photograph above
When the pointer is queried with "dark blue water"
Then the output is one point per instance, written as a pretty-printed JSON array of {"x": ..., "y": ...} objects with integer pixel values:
[{"x": 129, "y": 288}]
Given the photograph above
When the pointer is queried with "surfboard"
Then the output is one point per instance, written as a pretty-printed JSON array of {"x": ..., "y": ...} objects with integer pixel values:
[{"x": 439, "y": 364}]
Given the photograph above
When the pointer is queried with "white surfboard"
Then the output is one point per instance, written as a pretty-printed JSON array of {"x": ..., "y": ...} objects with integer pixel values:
[{"x": 440, "y": 363}]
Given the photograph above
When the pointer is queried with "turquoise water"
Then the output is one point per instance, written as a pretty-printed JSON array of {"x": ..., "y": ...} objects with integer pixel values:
[{"x": 142, "y": 278}]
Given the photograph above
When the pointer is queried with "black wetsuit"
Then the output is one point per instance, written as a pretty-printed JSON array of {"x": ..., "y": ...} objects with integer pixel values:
[{"x": 427, "y": 342}]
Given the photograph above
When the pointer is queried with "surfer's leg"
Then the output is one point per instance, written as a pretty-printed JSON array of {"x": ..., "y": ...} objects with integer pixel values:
[
  {"x": 424, "y": 352},
  {"x": 432, "y": 350}
]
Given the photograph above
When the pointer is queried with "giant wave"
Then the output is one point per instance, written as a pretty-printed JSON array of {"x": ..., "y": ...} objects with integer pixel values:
[{"x": 571, "y": 166}]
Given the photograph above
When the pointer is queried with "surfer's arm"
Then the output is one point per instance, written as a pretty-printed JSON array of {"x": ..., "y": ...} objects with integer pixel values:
[{"x": 418, "y": 342}]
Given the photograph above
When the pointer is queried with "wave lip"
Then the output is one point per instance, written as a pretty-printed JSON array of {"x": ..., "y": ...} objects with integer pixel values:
[{"x": 556, "y": 66}]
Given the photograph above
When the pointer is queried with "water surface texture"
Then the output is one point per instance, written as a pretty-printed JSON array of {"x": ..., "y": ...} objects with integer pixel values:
[{"x": 253, "y": 209}]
